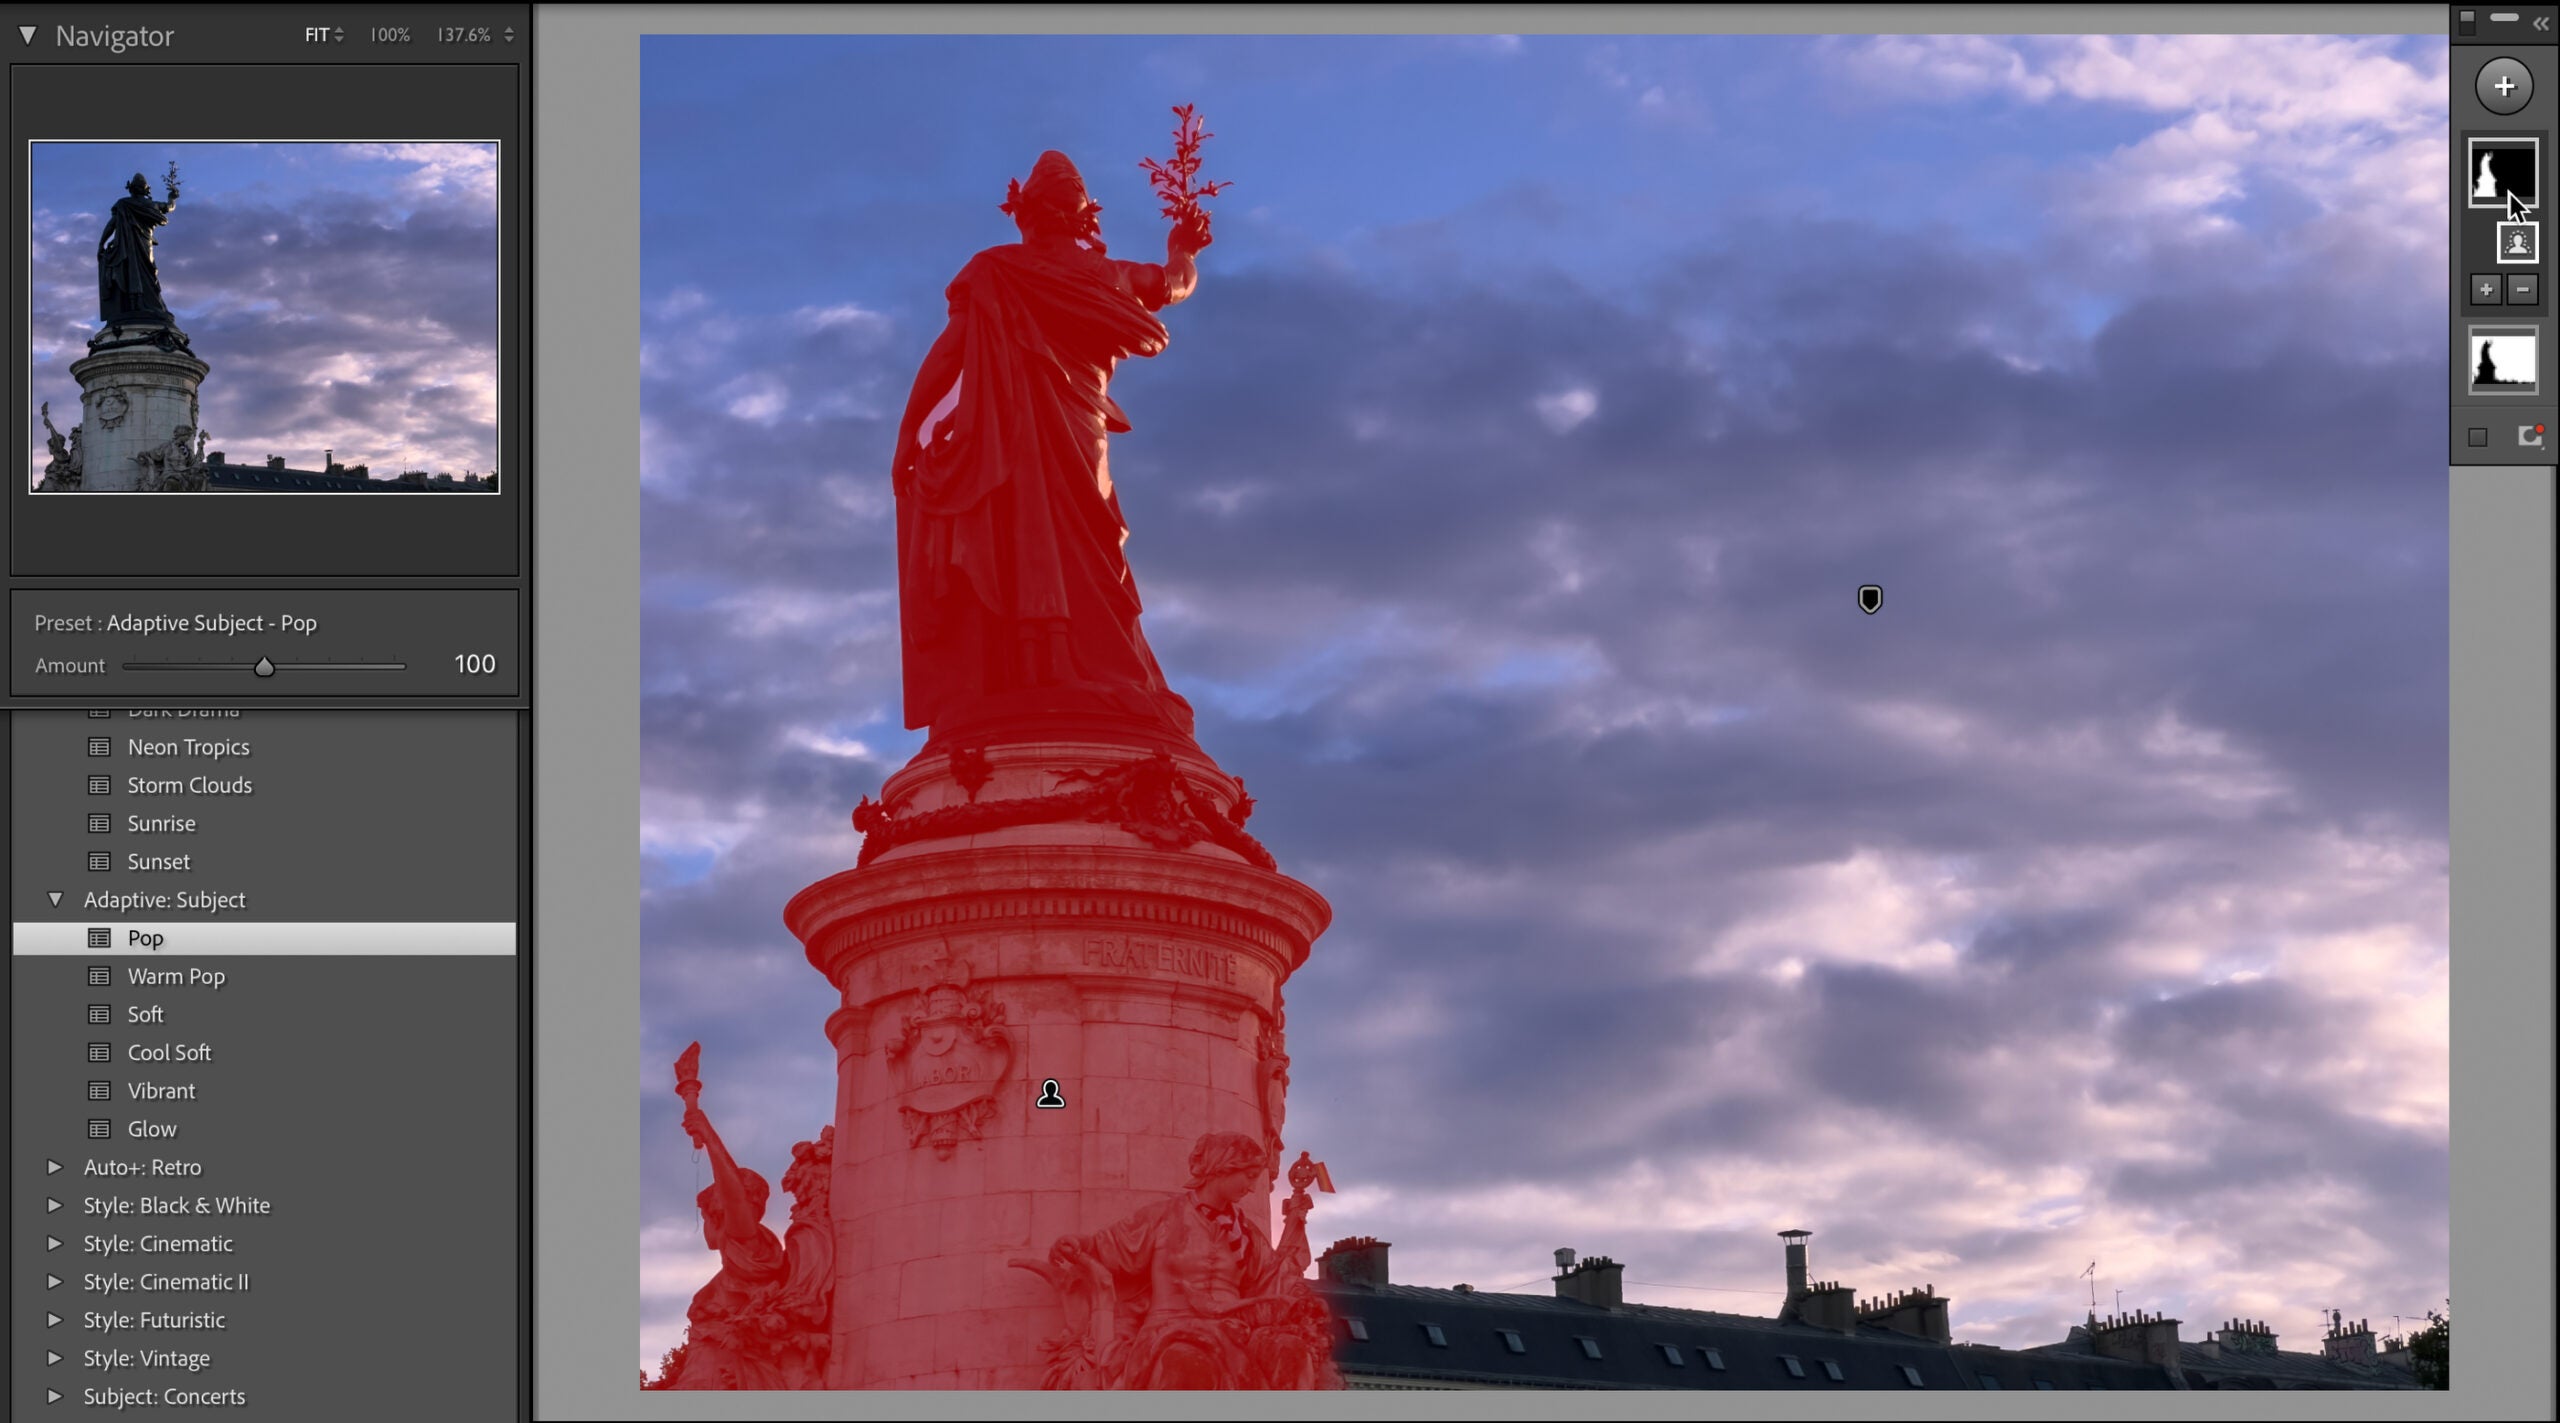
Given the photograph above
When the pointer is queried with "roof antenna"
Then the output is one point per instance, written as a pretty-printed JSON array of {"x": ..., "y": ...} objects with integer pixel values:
[{"x": 2091, "y": 1275}]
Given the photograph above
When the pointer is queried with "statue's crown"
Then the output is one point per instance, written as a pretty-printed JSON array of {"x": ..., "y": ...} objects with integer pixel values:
[{"x": 1054, "y": 183}]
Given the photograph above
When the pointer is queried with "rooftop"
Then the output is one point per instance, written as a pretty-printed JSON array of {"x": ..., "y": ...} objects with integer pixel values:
[{"x": 1459, "y": 1337}]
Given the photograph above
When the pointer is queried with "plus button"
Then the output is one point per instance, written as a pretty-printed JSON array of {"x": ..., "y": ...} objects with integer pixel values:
[{"x": 2504, "y": 86}]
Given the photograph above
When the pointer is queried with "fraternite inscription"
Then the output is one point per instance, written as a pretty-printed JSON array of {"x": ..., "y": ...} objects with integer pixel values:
[{"x": 1160, "y": 956}]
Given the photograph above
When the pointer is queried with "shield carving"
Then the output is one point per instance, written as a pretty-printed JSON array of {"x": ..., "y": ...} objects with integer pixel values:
[{"x": 948, "y": 1061}]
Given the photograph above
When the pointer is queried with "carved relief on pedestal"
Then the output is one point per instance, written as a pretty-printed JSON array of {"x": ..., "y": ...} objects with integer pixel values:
[
  {"x": 948, "y": 1060},
  {"x": 1187, "y": 1293},
  {"x": 177, "y": 465},
  {"x": 1155, "y": 798},
  {"x": 970, "y": 769},
  {"x": 112, "y": 406}
]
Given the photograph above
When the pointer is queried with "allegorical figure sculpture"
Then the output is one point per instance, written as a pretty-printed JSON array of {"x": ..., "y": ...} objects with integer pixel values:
[
  {"x": 1013, "y": 593},
  {"x": 128, "y": 275},
  {"x": 1188, "y": 1293},
  {"x": 762, "y": 1322},
  {"x": 62, "y": 456}
]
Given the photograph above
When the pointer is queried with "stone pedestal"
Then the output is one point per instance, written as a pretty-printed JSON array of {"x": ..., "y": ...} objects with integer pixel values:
[
  {"x": 1083, "y": 912},
  {"x": 137, "y": 388}
]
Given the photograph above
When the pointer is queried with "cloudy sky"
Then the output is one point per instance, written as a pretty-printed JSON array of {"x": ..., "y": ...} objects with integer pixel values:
[
  {"x": 1501, "y": 504},
  {"x": 345, "y": 294}
]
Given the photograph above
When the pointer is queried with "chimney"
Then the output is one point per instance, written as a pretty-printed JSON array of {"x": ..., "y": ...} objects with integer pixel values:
[
  {"x": 1920, "y": 1313},
  {"x": 1597, "y": 1280},
  {"x": 2347, "y": 1343},
  {"x": 1795, "y": 1262},
  {"x": 1827, "y": 1304},
  {"x": 2246, "y": 1336},
  {"x": 1355, "y": 1260},
  {"x": 2140, "y": 1338}
]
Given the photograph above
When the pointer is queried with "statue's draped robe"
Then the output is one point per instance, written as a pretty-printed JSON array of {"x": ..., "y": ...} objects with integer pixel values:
[
  {"x": 128, "y": 281},
  {"x": 1011, "y": 582},
  {"x": 728, "y": 1344},
  {"x": 806, "y": 1295}
]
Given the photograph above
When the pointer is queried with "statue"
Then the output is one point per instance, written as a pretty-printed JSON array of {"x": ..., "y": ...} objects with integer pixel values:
[
  {"x": 62, "y": 465},
  {"x": 763, "y": 1320},
  {"x": 1187, "y": 1293},
  {"x": 1273, "y": 1069},
  {"x": 128, "y": 277},
  {"x": 176, "y": 465},
  {"x": 1013, "y": 593}
]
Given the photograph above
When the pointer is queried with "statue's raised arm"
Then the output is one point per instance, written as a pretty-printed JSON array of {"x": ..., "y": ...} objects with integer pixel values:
[{"x": 1177, "y": 182}]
